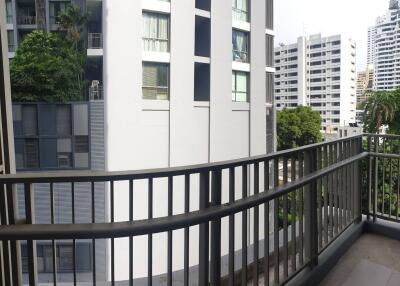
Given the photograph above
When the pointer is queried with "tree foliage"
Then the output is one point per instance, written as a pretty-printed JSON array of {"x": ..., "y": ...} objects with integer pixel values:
[
  {"x": 298, "y": 127},
  {"x": 380, "y": 109},
  {"x": 46, "y": 68}
]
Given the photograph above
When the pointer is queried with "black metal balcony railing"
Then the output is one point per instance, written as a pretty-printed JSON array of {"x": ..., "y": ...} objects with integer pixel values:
[{"x": 294, "y": 203}]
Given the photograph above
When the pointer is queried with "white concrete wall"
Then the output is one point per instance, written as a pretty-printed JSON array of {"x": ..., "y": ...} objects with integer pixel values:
[{"x": 152, "y": 134}]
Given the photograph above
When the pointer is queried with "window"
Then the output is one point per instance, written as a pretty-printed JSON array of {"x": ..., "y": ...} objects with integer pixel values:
[
  {"x": 11, "y": 42},
  {"x": 270, "y": 14},
  {"x": 240, "y": 86},
  {"x": 202, "y": 36},
  {"x": 56, "y": 8},
  {"x": 240, "y": 43},
  {"x": 9, "y": 13},
  {"x": 31, "y": 153},
  {"x": 270, "y": 87},
  {"x": 155, "y": 81},
  {"x": 155, "y": 32},
  {"x": 64, "y": 120},
  {"x": 240, "y": 10},
  {"x": 81, "y": 144},
  {"x": 29, "y": 120},
  {"x": 203, "y": 4},
  {"x": 269, "y": 47},
  {"x": 201, "y": 82}
]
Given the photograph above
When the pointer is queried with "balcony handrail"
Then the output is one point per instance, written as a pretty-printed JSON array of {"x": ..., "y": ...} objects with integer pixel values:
[
  {"x": 103, "y": 176},
  {"x": 163, "y": 224}
]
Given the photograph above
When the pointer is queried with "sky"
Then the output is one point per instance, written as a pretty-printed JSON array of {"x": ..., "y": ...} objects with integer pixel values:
[{"x": 328, "y": 17}]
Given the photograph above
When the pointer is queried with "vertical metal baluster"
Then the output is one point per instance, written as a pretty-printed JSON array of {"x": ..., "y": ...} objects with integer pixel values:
[
  {"x": 231, "y": 265},
  {"x": 376, "y": 141},
  {"x": 15, "y": 246},
  {"x": 331, "y": 193},
  {"x": 130, "y": 237},
  {"x": 266, "y": 225},
  {"x": 215, "y": 268},
  {"x": 285, "y": 223},
  {"x": 186, "y": 235},
  {"x": 150, "y": 236},
  {"x": 390, "y": 187},
  {"x": 93, "y": 240},
  {"x": 244, "y": 227},
  {"x": 170, "y": 212},
  {"x": 345, "y": 177},
  {"x": 341, "y": 189},
  {"x": 369, "y": 180},
  {"x": 276, "y": 224},
  {"x": 398, "y": 189},
  {"x": 53, "y": 242},
  {"x": 5, "y": 250},
  {"x": 112, "y": 239},
  {"x": 337, "y": 182},
  {"x": 31, "y": 244},
  {"x": 73, "y": 241},
  {"x": 204, "y": 230},
  {"x": 301, "y": 212},
  {"x": 293, "y": 213},
  {"x": 383, "y": 178},
  {"x": 319, "y": 196},
  {"x": 326, "y": 195},
  {"x": 256, "y": 224}
]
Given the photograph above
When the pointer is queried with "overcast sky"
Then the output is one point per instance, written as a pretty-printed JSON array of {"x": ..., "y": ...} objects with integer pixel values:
[{"x": 353, "y": 17}]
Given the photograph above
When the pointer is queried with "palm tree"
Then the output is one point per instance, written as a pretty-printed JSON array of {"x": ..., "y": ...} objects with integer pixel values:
[
  {"x": 72, "y": 20},
  {"x": 380, "y": 109}
]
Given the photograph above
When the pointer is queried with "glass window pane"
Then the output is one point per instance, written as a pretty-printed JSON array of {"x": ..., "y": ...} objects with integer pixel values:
[
  {"x": 64, "y": 120},
  {"x": 155, "y": 81},
  {"x": 241, "y": 82},
  {"x": 155, "y": 32},
  {"x": 240, "y": 46},
  {"x": 29, "y": 120},
  {"x": 81, "y": 144},
  {"x": 31, "y": 153}
]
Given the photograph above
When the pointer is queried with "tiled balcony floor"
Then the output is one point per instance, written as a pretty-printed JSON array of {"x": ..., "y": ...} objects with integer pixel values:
[{"x": 373, "y": 260}]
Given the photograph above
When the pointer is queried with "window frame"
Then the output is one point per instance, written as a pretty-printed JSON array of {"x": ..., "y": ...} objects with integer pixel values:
[{"x": 235, "y": 91}]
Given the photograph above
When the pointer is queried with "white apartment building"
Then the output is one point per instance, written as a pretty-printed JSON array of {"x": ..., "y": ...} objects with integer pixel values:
[
  {"x": 384, "y": 48},
  {"x": 371, "y": 45},
  {"x": 186, "y": 82},
  {"x": 319, "y": 72}
]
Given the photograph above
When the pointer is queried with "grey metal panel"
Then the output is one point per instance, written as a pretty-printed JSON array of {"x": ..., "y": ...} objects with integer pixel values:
[
  {"x": 48, "y": 153},
  {"x": 47, "y": 119},
  {"x": 80, "y": 119}
]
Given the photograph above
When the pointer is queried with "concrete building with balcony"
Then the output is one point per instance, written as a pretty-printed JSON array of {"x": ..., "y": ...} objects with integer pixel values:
[
  {"x": 319, "y": 72},
  {"x": 365, "y": 81},
  {"x": 383, "y": 49},
  {"x": 24, "y": 16}
]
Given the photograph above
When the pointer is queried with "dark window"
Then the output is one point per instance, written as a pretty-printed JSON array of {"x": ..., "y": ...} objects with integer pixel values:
[
  {"x": 81, "y": 144},
  {"x": 29, "y": 120},
  {"x": 64, "y": 121},
  {"x": 201, "y": 82}
]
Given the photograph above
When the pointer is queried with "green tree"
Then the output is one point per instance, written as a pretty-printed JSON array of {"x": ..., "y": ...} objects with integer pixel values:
[
  {"x": 380, "y": 109},
  {"x": 72, "y": 20},
  {"x": 298, "y": 127},
  {"x": 46, "y": 68},
  {"x": 394, "y": 126}
]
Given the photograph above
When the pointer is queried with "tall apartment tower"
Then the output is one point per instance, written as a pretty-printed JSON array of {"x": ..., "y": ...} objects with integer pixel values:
[
  {"x": 319, "y": 72},
  {"x": 185, "y": 83},
  {"x": 365, "y": 80},
  {"x": 371, "y": 45},
  {"x": 384, "y": 49}
]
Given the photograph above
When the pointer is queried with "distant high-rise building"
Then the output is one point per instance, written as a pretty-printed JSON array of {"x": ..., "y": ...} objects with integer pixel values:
[
  {"x": 319, "y": 72},
  {"x": 371, "y": 45},
  {"x": 365, "y": 81},
  {"x": 383, "y": 49}
]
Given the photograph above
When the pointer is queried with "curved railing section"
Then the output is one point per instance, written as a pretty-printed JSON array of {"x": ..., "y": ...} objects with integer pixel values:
[{"x": 265, "y": 217}]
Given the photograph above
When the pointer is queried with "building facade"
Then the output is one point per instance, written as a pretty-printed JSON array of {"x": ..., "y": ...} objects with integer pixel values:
[
  {"x": 365, "y": 81},
  {"x": 384, "y": 48},
  {"x": 319, "y": 72},
  {"x": 188, "y": 86}
]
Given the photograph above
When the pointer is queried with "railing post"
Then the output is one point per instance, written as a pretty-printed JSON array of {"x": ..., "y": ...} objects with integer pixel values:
[
  {"x": 310, "y": 205},
  {"x": 31, "y": 244},
  {"x": 204, "y": 230},
  {"x": 215, "y": 268},
  {"x": 369, "y": 179},
  {"x": 375, "y": 197}
]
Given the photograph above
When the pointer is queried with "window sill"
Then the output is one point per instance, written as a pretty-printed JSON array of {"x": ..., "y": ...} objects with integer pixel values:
[
  {"x": 201, "y": 104},
  {"x": 156, "y": 6},
  {"x": 238, "y": 66},
  {"x": 155, "y": 105},
  {"x": 240, "y": 106},
  {"x": 156, "y": 57},
  {"x": 241, "y": 25}
]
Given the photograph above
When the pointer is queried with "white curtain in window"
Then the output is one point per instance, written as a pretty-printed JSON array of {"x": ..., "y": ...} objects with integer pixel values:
[
  {"x": 239, "y": 42},
  {"x": 155, "y": 32}
]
